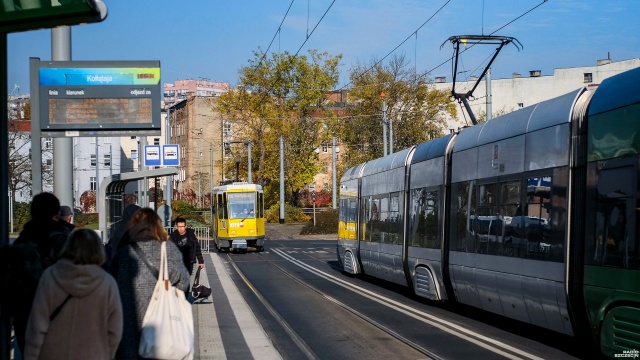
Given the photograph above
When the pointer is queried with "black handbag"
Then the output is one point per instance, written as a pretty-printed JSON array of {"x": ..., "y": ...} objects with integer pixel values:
[{"x": 198, "y": 290}]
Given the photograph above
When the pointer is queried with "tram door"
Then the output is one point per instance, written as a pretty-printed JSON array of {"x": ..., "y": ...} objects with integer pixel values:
[{"x": 616, "y": 218}]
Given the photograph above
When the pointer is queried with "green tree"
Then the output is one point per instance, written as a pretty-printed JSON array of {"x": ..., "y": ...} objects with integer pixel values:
[
  {"x": 281, "y": 96},
  {"x": 418, "y": 110}
]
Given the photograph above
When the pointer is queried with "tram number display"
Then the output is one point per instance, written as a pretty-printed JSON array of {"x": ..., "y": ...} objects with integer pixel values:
[{"x": 99, "y": 111}]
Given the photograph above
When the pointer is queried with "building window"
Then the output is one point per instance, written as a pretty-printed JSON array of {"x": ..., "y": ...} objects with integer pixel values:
[
  {"x": 93, "y": 160},
  {"x": 49, "y": 164},
  {"x": 324, "y": 148},
  {"x": 325, "y": 167},
  {"x": 226, "y": 130},
  {"x": 520, "y": 105},
  {"x": 107, "y": 160},
  {"x": 107, "y": 140},
  {"x": 156, "y": 141},
  {"x": 48, "y": 143},
  {"x": 92, "y": 180},
  {"x": 325, "y": 186},
  {"x": 588, "y": 77},
  {"x": 134, "y": 154}
]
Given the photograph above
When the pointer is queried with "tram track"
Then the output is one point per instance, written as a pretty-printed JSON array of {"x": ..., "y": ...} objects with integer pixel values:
[
  {"x": 491, "y": 344},
  {"x": 300, "y": 342}
]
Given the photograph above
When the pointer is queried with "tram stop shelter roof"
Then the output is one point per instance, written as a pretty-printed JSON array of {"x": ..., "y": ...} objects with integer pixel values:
[{"x": 112, "y": 191}]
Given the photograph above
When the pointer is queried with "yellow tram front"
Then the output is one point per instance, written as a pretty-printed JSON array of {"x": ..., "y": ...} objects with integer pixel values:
[{"x": 238, "y": 215}]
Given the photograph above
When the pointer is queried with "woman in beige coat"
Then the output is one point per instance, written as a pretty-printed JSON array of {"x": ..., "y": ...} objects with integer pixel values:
[{"x": 77, "y": 313}]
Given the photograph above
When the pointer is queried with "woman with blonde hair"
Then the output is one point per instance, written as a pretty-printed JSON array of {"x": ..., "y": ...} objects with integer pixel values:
[
  {"x": 135, "y": 268},
  {"x": 77, "y": 313}
]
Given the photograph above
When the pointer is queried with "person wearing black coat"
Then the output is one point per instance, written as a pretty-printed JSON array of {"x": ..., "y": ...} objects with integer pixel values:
[{"x": 188, "y": 244}]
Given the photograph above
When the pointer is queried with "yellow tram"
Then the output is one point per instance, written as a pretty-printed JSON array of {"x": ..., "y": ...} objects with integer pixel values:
[{"x": 238, "y": 217}]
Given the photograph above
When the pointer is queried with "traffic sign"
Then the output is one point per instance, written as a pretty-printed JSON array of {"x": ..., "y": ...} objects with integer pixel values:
[
  {"x": 171, "y": 155},
  {"x": 152, "y": 155}
]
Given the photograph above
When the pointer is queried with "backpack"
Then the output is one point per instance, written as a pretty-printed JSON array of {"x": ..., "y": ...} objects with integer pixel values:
[{"x": 21, "y": 269}]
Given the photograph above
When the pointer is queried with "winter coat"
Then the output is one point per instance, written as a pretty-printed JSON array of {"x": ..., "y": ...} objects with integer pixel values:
[
  {"x": 89, "y": 324},
  {"x": 190, "y": 248},
  {"x": 136, "y": 283},
  {"x": 117, "y": 231}
]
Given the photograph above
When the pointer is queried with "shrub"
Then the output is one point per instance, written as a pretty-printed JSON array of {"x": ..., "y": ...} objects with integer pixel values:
[
  {"x": 80, "y": 220},
  {"x": 291, "y": 214},
  {"x": 326, "y": 223}
]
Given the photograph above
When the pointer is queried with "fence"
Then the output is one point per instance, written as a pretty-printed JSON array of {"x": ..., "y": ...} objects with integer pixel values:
[{"x": 202, "y": 233}]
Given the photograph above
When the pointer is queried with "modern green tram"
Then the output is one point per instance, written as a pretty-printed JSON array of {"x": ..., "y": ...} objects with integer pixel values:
[{"x": 533, "y": 215}]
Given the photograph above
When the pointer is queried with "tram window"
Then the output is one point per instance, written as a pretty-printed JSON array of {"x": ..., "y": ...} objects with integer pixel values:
[
  {"x": 365, "y": 233},
  {"x": 260, "y": 205},
  {"x": 222, "y": 206},
  {"x": 342, "y": 210},
  {"x": 378, "y": 215},
  {"x": 616, "y": 244},
  {"x": 423, "y": 221},
  {"x": 511, "y": 215},
  {"x": 535, "y": 227},
  {"x": 394, "y": 227},
  {"x": 352, "y": 211},
  {"x": 464, "y": 213}
]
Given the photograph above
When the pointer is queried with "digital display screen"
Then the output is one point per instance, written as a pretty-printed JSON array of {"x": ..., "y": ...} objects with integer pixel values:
[{"x": 100, "y": 111}]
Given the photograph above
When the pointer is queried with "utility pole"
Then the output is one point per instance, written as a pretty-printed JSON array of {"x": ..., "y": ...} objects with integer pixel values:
[
  {"x": 488, "y": 85},
  {"x": 384, "y": 125},
  {"x": 281, "y": 180},
  {"x": 333, "y": 173}
]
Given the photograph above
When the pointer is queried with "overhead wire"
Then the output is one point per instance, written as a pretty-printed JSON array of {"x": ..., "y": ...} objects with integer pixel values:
[
  {"x": 450, "y": 58},
  {"x": 396, "y": 48}
]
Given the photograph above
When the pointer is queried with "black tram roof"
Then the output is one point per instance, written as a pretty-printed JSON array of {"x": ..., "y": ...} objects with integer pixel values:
[
  {"x": 535, "y": 117},
  {"x": 615, "y": 92}
]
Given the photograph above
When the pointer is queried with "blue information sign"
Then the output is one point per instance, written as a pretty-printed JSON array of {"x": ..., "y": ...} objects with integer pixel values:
[
  {"x": 171, "y": 155},
  {"x": 152, "y": 155}
]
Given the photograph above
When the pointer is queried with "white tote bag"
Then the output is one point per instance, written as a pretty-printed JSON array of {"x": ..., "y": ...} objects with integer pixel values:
[{"x": 167, "y": 327}]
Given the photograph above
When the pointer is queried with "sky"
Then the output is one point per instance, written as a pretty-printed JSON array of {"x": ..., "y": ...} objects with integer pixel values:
[{"x": 213, "y": 39}]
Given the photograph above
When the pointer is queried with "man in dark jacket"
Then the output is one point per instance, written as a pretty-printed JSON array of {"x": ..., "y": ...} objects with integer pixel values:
[
  {"x": 48, "y": 233},
  {"x": 188, "y": 243}
]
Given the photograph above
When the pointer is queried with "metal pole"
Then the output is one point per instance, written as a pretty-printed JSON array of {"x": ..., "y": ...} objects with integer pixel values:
[
  {"x": 168, "y": 192},
  {"x": 390, "y": 132},
  {"x": 488, "y": 84},
  {"x": 62, "y": 147},
  {"x": 281, "y": 180},
  {"x": 200, "y": 178},
  {"x": 97, "y": 177},
  {"x": 249, "y": 163},
  {"x": 333, "y": 174},
  {"x": 210, "y": 175},
  {"x": 384, "y": 127},
  {"x": 4, "y": 150},
  {"x": 36, "y": 143},
  {"x": 110, "y": 160},
  {"x": 5, "y": 339}
]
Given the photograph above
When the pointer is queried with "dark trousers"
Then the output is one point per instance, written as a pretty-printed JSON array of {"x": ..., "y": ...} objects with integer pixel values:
[{"x": 190, "y": 270}]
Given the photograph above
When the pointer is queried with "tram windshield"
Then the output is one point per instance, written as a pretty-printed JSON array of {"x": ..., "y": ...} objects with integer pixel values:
[{"x": 241, "y": 205}]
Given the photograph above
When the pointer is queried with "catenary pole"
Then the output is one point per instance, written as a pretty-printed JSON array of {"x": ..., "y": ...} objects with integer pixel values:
[{"x": 63, "y": 146}]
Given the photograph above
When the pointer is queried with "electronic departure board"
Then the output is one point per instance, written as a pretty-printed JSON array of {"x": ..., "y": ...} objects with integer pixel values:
[
  {"x": 84, "y": 98},
  {"x": 100, "y": 111}
]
